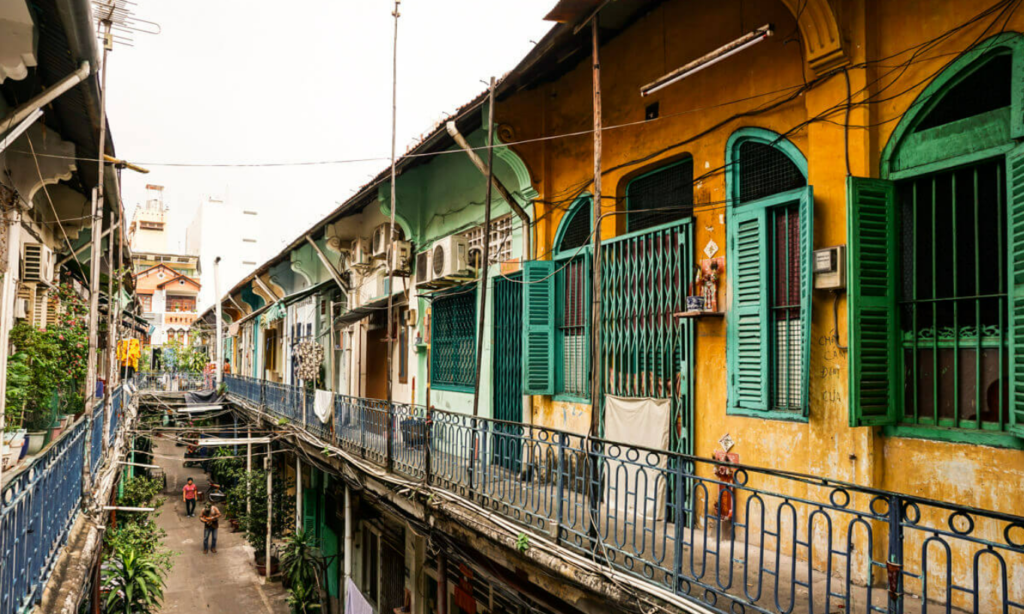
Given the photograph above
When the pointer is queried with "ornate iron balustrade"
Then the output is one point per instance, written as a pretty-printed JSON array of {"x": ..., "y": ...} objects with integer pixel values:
[
  {"x": 173, "y": 381},
  {"x": 735, "y": 538},
  {"x": 40, "y": 503}
]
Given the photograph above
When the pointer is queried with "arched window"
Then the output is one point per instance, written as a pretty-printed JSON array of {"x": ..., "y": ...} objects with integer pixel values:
[
  {"x": 574, "y": 231},
  {"x": 935, "y": 258},
  {"x": 770, "y": 239},
  {"x": 661, "y": 196}
]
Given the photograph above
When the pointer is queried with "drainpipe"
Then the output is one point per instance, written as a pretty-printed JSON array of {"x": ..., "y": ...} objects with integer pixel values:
[
  {"x": 442, "y": 583},
  {"x": 298, "y": 494},
  {"x": 348, "y": 535},
  {"x": 483, "y": 168}
]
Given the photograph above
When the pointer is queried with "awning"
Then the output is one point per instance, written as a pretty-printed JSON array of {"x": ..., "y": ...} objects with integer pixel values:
[
  {"x": 301, "y": 294},
  {"x": 366, "y": 310}
]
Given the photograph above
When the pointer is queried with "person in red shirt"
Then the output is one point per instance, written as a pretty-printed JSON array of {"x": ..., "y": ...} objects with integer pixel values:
[{"x": 188, "y": 495}]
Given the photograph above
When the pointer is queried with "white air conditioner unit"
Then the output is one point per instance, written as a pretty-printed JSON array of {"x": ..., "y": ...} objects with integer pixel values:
[
  {"x": 423, "y": 273},
  {"x": 379, "y": 242},
  {"x": 360, "y": 253},
  {"x": 21, "y": 308},
  {"x": 449, "y": 257},
  {"x": 36, "y": 263},
  {"x": 401, "y": 258}
]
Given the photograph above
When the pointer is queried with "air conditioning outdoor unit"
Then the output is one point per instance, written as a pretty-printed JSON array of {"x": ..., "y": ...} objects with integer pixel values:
[
  {"x": 379, "y": 242},
  {"x": 21, "y": 308},
  {"x": 450, "y": 257},
  {"x": 423, "y": 273},
  {"x": 36, "y": 263},
  {"x": 401, "y": 258},
  {"x": 360, "y": 252}
]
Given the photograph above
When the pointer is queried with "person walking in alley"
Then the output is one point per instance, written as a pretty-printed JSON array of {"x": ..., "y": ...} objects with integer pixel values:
[
  {"x": 210, "y": 518},
  {"x": 188, "y": 495}
]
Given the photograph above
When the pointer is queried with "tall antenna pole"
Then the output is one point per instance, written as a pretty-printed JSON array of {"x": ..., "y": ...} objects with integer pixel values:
[
  {"x": 94, "y": 273},
  {"x": 391, "y": 240},
  {"x": 595, "y": 290},
  {"x": 486, "y": 255}
]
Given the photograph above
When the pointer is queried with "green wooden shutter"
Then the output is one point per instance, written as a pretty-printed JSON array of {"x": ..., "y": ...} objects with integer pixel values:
[
  {"x": 1015, "y": 201},
  {"x": 873, "y": 278},
  {"x": 806, "y": 288},
  {"x": 747, "y": 351},
  {"x": 539, "y": 327}
]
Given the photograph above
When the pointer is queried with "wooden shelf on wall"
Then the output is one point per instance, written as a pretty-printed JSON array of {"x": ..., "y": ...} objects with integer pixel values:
[{"x": 699, "y": 314}]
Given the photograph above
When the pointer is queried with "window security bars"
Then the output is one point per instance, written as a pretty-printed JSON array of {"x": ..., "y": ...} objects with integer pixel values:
[
  {"x": 572, "y": 281},
  {"x": 785, "y": 308},
  {"x": 953, "y": 315},
  {"x": 764, "y": 170},
  {"x": 659, "y": 197},
  {"x": 757, "y": 541},
  {"x": 453, "y": 343},
  {"x": 501, "y": 240}
]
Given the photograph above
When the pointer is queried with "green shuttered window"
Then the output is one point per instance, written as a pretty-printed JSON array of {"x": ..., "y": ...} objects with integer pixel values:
[
  {"x": 453, "y": 346},
  {"x": 768, "y": 345},
  {"x": 538, "y": 327}
]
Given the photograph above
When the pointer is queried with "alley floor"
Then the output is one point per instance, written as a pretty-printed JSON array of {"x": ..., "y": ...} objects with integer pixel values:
[{"x": 226, "y": 582}]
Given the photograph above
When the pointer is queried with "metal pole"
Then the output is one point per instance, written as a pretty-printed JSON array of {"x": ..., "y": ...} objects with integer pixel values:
[
  {"x": 595, "y": 292},
  {"x": 94, "y": 273},
  {"x": 108, "y": 390},
  {"x": 391, "y": 245},
  {"x": 484, "y": 265},
  {"x": 270, "y": 505},
  {"x": 220, "y": 322},
  {"x": 442, "y": 584},
  {"x": 348, "y": 532},
  {"x": 7, "y": 300},
  {"x": 248, "y": 471},
  {"x": 298, "y": 494}
]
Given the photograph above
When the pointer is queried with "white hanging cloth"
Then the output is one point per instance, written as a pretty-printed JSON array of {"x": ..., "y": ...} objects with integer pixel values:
[{"x": 323, "y": 403}]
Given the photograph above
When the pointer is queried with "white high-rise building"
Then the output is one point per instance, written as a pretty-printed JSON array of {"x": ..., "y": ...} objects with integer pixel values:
[
  {"x": 229, "y": 231},
  {"x": 148, "y": 232}
]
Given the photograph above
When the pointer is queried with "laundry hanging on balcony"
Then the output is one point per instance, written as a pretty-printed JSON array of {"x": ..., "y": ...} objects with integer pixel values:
[
  {"x": 322, "y": 404},
  {"x": 634, "y": 481},
  {"x": 310, "y": 355}
]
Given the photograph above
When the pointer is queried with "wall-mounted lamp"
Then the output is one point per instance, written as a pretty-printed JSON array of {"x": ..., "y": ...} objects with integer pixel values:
[{"x": 747, "y": 40}]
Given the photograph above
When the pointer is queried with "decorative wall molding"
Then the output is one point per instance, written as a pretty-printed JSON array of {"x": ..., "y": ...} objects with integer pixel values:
[
  {"x": 56, "y": 165},
  {"x": 819, "y": 28},
  {"x": 17, "y": 41}
]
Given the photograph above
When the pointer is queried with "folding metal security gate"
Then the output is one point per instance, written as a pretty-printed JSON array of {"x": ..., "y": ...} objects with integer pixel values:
[
  {"x": 507, "y": 367},
  {"x": 646, "y": 351}
]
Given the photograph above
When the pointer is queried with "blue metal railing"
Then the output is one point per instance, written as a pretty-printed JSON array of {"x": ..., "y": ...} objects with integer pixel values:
[
  {"x": 168, "y": 381},
  {"x": 735, "y": 538}
]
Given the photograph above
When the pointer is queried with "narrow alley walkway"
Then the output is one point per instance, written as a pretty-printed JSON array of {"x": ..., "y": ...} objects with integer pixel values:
[{"x": 225, "y": 582}]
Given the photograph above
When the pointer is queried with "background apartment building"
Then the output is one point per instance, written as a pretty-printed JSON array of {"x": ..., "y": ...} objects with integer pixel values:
[{"x": 238, "y": 248}]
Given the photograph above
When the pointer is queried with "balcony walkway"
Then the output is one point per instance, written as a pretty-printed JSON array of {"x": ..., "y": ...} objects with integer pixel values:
[{"x": 795, "y": 543}]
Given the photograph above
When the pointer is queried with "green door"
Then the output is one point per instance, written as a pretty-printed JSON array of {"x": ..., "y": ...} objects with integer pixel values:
[{"x": 507, "y": 366}]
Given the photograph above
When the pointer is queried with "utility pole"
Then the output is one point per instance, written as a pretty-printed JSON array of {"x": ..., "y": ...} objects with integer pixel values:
[
  {"x": 7, "y": 294},
  {"x": 298, "y": 494},
  {"x": 220, "y": 322},
  {"x": 108, "y": 396},
  {"x": 595, "y": 290},
  {"x": 94, "y": 271},
  {"x": 248, "y": 471},
  {"x": 484, "y": 265},
  {"x": 388, "y": 435}
]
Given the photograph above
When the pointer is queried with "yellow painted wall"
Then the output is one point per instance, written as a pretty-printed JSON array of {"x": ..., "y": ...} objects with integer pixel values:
[{"x": 697, "y": 118}]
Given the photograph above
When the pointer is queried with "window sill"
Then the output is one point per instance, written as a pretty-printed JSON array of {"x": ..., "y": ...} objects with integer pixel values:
[
  {"x": 779, "y": 415},
  {"x": 452, "y": 388},
  {"x": 570, "y": 398},
  {"x": 996, "y": 439}
]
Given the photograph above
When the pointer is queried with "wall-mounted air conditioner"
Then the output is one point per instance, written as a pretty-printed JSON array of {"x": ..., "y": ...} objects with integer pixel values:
[
  {"x": 36, "y": 263},
  {"x": 449, "y": 257},
  {"x": 401, "y": 258},
  {"x": 379, "y": 241},
  {"x": 360, "y": 253},
  {"x": 21, "y": 308},
  {"x": 423, "y": 273}
]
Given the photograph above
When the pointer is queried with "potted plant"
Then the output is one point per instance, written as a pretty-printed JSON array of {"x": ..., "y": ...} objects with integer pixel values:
[
  {"x": 254, "y": 520},
  {"x": 301, "y": 563}
]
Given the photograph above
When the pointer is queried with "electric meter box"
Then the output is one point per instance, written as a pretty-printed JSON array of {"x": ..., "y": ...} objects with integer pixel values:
[{"x": 830, "y": 268}]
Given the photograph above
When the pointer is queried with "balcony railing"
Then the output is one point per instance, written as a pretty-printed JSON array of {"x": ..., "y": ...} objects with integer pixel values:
[
  {"x": 40, "y": 504},
  {"x": 734, "y": 538}
]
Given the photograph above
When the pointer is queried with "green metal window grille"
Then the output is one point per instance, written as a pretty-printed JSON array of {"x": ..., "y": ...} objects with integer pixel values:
[
  {"x": 645, "y": 350},
  {"x": 764, "y": 169},
  {"x": 953, "y": 298},
  {"x": 660, "y": 197},
  {"x": 453, "y": 346},
  {"x": 507, "y": 365},
  {"x": 572, "y": 291}
]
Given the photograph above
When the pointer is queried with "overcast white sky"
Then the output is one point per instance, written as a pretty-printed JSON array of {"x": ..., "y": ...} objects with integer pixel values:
[{"x": 254, "y": 81}]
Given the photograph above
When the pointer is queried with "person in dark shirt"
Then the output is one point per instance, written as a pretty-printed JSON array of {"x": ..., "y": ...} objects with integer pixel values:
[{"x": 210, "y": 518}]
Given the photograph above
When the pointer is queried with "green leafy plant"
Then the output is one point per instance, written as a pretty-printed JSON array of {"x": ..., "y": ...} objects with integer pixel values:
[
  {"x": 134, "y": 582},
  {"x": 522, "y": 542},
  {"x": 304, "y": 598},
  {"x": 301, "y": 560},
  {"x": 253, "y": 485}
]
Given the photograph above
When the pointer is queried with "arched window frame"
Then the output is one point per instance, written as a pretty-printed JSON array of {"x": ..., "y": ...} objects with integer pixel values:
[
  {"x": 571, "y": 274},
  {"x": 687, "y": 159},
  {"x": 875, "y": 231},
  {"x": 753, "y": 373},
  {"x": 960, "y": 142}
]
